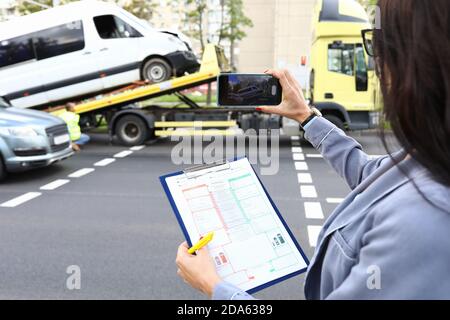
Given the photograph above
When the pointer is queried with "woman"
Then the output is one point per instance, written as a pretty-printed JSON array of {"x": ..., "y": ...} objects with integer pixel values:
[{"x": 396, "y": 220}]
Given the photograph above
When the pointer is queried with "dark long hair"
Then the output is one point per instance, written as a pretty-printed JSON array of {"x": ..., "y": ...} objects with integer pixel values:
[{"x": 413, "y": 56}]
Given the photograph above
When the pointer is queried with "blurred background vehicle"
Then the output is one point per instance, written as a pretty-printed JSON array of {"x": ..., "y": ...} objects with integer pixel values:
[
  {"x": 82, "y": 48},
  {"x": 30, "y": 139},
  {"x": 342, "y": 82}
]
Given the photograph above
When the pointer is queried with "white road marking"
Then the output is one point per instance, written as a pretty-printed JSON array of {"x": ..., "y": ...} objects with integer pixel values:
[
  {"x": 137, "y": 148},
  {"x": 313, "y": 234},
  {"x": 81, "y": 172},
  {"x": 55, "y": 184},
  {"x": 304, "y": 178},
  {"x": 314, "y": 155},
  {"x": 104, "y": 162},
  {"x": 308, "y": 191},
  {"x": 301, "y": 165},
  {"x": 297, "y": 149},
  {"x": 295, "y": 138},
  {"x": 298, "y": 156},
  {"x": 296, "y": 143},
  {"x": 20, "y": 199},
  {"x": 313, "y": 210},
  {"x": 123, "y": 154},
  {"x": 334, "y": 200}
]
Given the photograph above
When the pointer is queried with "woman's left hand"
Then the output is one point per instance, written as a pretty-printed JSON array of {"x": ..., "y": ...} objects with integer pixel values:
[{"x": 197, "y": 270}]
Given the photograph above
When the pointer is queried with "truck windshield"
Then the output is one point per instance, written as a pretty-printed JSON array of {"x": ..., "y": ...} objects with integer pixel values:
[{"x": 341, "y": 58}]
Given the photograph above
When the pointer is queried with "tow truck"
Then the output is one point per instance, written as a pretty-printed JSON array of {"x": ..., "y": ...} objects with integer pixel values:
[{"x": 134, "y": 122}]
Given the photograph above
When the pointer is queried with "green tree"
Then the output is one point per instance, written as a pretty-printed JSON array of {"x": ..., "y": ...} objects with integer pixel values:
[
  {"x": 26, "y": 7},
  {"x": 234, "y": 22},
  {"x": 195, "y": 19},
  {"x": 143, "y": 9}
]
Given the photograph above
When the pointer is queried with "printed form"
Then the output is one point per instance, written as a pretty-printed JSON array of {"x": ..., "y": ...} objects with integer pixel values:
[{"x": 251, "y": 247}]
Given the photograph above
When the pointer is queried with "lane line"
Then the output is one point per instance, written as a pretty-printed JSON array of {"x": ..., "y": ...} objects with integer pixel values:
[
  {"x": 55, "y": 184},
  {"x": 334, "y": 200},
  {"x": 313, "y": 234},
  {"x": 295, "y": 138},
  {"x": 104, "y": 162},
  {"x": 298, "y": 156},
  {"x": 313, "y": 210},
  {"x": 301, "y": 166},
  {"x": 81, "y": 172},
  {"x": 297, "y": 149},
  {"x": 20, "y": 199},
  {"x": 137, "y": 148},
  {"x": 314, "y": 155},
  {"x": 123, "y": 154},
  {"x": 308, "y": 191},
  {"x": 304, "y": 178}
]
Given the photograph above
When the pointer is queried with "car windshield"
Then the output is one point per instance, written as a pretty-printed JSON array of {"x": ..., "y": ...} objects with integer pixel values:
[{"x": 3, "y": 103}]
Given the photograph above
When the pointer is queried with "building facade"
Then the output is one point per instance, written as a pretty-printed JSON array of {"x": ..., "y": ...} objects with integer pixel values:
[{"x": 281, "y": 34}]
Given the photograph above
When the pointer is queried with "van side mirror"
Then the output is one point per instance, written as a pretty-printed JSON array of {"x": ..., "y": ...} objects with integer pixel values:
[
  {"x": 371, "y": 64},
  {"x": 361, "y": 75}
]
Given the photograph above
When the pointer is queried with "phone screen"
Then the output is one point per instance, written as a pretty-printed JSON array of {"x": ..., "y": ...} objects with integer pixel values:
[{"x": 248, "y": 90}]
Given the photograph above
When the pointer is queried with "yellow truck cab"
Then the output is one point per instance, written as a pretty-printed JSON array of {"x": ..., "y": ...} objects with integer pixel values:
[{"x": 342, "y": 81}]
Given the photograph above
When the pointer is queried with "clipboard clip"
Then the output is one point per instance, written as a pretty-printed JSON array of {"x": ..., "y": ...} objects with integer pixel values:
[{"x": 194, "y": 172}]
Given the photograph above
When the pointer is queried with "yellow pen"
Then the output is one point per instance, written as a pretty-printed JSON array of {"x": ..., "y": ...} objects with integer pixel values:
[{"x": 202, "y": 242}]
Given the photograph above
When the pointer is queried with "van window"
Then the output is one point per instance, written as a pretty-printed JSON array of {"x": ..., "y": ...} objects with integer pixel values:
[
  {"x": 16, "y": 50},
  {"x": 341, "y": 58},
  {"x": 59, "y": 40},
  {"x": 4, "y": 103},
  {"x": 112, "y": 27}
]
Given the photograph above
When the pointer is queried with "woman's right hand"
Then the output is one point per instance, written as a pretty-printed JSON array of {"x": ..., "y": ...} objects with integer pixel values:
[{"x": 293, "y": 105}]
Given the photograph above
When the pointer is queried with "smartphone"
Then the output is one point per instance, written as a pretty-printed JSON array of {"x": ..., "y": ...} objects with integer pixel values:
[{"x": 235, "y": 89}]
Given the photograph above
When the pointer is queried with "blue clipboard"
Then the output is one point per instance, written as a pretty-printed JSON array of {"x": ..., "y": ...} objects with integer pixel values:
[{"x": 189, "y": 240}]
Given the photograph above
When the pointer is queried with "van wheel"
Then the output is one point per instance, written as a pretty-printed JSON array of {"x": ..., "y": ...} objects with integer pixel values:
[
  {"x": 336, "y": 121},
  {"x": 2, "y": 169},
  {"x": 131, "y": 130},
  {"x": 156, "y": 70}
]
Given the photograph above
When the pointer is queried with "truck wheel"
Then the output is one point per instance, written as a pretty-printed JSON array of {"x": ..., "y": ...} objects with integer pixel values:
[
  {"x": 336, "y": 121},
  {"x": 156, "y": 70},
  {"x": 2, "y": 169},
  {"x": 131, "y": 130}
]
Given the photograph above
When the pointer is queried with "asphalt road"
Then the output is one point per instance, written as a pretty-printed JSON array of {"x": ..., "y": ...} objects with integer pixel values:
[{"x": 116, "y": 224}]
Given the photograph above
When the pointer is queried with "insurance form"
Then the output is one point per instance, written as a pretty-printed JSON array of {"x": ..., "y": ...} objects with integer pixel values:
[{"x": 252, "y": 246}]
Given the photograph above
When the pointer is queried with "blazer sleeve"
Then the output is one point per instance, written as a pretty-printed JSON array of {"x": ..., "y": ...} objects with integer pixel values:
[
  {"x": 404, "y": 256},
  {"x": 227, "y": 291},
  {"x": 343, "y": 153}
]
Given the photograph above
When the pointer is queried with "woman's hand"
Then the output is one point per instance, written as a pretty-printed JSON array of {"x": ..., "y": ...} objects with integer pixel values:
[
  {"x": 293, "y": 105},
  {"x": 197, "y": 270}
]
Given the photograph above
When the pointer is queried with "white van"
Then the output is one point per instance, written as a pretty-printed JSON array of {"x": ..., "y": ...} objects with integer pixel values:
[{"x": 82, "y": 48}]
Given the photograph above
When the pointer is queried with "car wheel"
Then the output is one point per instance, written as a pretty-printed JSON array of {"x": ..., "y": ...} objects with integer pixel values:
[
  {"x": 336, "y": 121},
  {"x": 132, "y": 130},
  {"x": 2, "y": 169},
  {"x": 156, "y": 70}
]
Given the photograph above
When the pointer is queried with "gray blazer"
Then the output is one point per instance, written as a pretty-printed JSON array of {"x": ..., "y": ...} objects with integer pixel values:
[{"x": 385, "y": 240}]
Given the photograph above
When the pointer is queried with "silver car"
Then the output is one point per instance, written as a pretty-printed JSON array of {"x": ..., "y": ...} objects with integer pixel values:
[{"x": 30, "y": 139}]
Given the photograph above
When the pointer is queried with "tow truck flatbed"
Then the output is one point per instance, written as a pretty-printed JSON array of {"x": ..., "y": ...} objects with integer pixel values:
[{"x": 133, "y": 124}]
